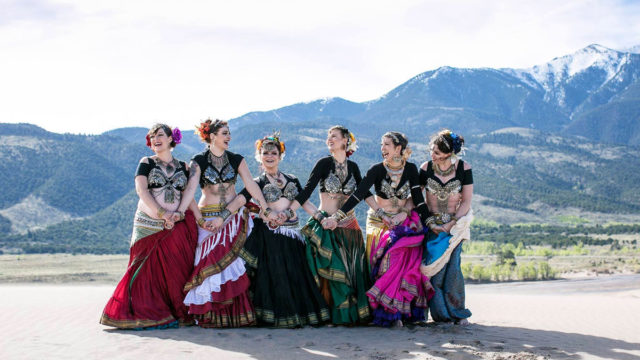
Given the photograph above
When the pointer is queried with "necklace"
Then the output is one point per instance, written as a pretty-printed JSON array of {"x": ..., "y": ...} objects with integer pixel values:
[
  {"x": 395, "y": 173},
  {"x": 341, "y": 170},
  {"x": 276, "y": 178},
  {"x": 169, "y": 166},
  {"x": 438, "y": 171},
  {"x": 218, "y": 161}
]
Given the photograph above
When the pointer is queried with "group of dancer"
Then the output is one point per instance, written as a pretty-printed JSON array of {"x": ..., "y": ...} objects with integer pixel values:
[{"x": 242, "y": 259}]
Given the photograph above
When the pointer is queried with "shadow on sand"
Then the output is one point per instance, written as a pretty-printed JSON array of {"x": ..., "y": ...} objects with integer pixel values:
[{"x": 434, "y": 340}]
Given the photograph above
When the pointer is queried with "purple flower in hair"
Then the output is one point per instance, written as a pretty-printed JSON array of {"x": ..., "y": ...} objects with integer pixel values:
[{"x": 176, "y": 135}]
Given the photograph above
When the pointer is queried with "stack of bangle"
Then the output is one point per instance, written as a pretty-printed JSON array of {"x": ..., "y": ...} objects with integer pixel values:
[
  {"x": 201, "y": 221},
  {"x": 290, "y": 213},
  {"x": 380, "y": 213},
  {"x": 339, "y": 215},
  {"x": 224, "y": 214},
  {"x": 319, "y": 216},
  {"x": 161, "y": 212}
]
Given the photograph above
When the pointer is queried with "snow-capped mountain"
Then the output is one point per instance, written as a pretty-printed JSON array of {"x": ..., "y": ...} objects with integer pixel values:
[{"x": 594, "y": 92}]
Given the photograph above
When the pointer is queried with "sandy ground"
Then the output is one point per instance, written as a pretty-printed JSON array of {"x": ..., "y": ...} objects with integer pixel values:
[{"x": 568, "y": 319}]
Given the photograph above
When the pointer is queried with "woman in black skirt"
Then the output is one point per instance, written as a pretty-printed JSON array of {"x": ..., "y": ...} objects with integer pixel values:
[{"x": 285, "y": 294}]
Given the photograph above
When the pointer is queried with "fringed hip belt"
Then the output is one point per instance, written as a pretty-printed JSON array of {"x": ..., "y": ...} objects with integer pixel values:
[{"x": 144, "y": 225}]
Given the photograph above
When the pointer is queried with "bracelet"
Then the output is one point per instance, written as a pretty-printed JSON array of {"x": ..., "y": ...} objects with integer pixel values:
[
  {"x": 319, "y": 215},
  {"x": 339, "y": 215},
  {"x": 201, "y": 221},
  {"x": 431, "y": 220},
  {"x": 380, "y": 213},
  {"x": 224, "y": 214},
  {"x": 266, "y": 212},
  {"x": 161, "y": 212},
  {"x": 454, "y": 218},
  {"x": 291, "y": 214}
]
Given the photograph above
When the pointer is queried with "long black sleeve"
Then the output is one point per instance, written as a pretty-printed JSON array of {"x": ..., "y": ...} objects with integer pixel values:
[{"x": 416, "y": 192}]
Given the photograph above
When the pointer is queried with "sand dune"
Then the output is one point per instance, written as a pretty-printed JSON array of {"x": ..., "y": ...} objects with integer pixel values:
[{"x": 576, "y": 319}]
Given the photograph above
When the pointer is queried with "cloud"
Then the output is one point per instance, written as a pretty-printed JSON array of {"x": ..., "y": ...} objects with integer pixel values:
[{"x": 95, "y": 65}]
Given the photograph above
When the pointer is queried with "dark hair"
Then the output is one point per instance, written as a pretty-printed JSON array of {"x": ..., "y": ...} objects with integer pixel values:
[
  {"x": 397, "y": 138},
  {"x": 209, "y": 127},
  {"x": 167, "y": 131},
  {"x": 343, "y": 130},
  {"x": 447, "y": 141}
]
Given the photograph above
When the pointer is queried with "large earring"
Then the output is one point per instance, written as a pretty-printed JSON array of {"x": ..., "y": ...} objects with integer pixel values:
[{"x": 397, "y": 158}]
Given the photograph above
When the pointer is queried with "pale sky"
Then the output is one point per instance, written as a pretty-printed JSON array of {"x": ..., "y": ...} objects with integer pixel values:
[{"x": 88, "y": 66}]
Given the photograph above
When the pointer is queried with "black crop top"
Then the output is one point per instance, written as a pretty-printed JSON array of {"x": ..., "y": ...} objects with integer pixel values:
[
  {"x": 324, "y": 173},
  {"x": 461, "y": 178},
  {"x": 156, "y": 178},
  {"x": 209, "y": 175},
  {"x": 272, "y": 192},
  {"x": 378, "y": 177}
]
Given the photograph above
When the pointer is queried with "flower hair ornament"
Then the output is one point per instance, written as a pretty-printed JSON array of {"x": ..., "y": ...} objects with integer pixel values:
[
  {"x": 203, "y": 130},
  {"x": 406, "y": 154},
  {"x": 352, "y": 145},
  {"x": 456, "y": 143},
  {"x": 176, "y": 135},
  {"x": 273, "y": 139}
]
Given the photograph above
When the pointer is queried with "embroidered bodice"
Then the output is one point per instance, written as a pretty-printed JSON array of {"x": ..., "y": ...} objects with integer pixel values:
[
  {"x": 443, "y": 191},
  {"x": 326, "y": 175},
  {"x": 378, "y": 177},
  {"x": 225, "y": 172},
  {"x": 272, "y": 192},
  {"x": 157, "y": 179},
  {"x": 333, "y": 185},
  {"x": 403, "y": 192}
]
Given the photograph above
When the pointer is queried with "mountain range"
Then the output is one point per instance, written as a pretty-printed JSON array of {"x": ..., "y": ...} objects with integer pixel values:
[{"x": 549, "y": 144}]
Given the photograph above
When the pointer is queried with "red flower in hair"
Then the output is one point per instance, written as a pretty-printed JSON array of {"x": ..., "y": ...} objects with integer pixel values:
[{"x": 148, "y": 140}]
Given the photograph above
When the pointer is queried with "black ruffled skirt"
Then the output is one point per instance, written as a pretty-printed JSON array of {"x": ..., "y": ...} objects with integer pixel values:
[{"x": 284, "y": 292}]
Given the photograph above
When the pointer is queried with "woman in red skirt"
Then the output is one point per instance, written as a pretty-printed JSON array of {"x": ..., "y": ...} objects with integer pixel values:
[
  {"x": 217, "y": 291},
  {"x": 163, "y": 243}
]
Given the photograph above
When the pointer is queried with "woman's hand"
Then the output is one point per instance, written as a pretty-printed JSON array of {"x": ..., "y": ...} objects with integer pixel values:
[
  {"x": 437, "y": 229},
  {"x": 448, "y": 226},
  {"x": 398, "y": 218},
  {"x": 177, "y": 216},
  {"x": 214, "y": 224},
  {"x": 329, "y": 223}
]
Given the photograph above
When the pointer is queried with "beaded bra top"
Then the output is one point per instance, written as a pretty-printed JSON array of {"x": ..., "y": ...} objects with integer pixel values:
[
  {"x": 273, "y": 193},
  {"x": 333, "y": 185},
  {"x": 224, "y": 173},
  {"x": 443, "y": 191},
  {"x": 403, "y": 192}
]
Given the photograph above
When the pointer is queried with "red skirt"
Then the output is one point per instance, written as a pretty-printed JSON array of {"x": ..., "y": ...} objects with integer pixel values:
[
  {"x": 218, "y": 288},
  {"x": 150, "y": 293}
]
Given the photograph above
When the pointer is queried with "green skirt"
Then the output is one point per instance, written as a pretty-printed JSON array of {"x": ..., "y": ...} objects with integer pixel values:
[{"x": 337, "y": 260}]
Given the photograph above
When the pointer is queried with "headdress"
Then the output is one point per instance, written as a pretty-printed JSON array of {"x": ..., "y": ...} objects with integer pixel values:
[
  {"x": 274, "y": 139},
  {"x": 352, "y": 145}
]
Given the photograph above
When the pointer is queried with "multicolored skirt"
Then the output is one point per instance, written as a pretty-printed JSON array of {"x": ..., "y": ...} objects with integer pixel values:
[
  {"x": 218, "y": 289},
  {"x": 400, "y": 291},
  {"x": 150, "y": 293},
  {"x": 338, "y": 264},
  {"x": 441, "y": 263},
  {"x": 285, "y": 294}
]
